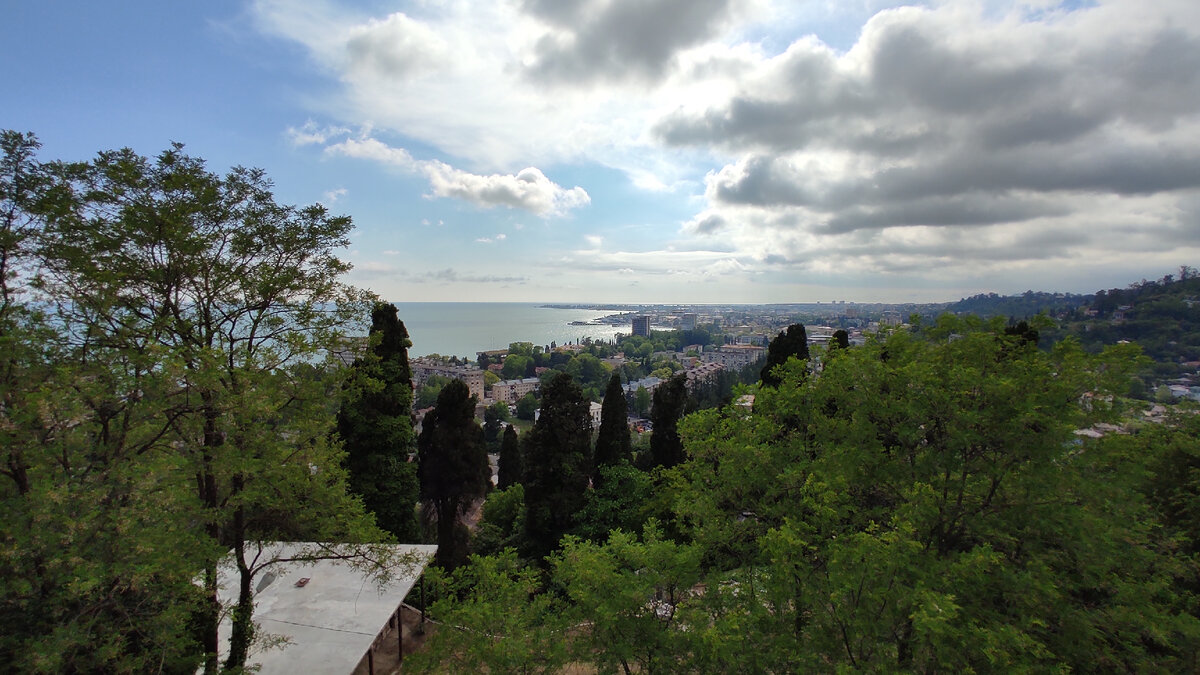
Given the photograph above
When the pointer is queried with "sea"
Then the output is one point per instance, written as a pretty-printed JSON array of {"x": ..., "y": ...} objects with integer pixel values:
[{"x": 464, "y": 328}]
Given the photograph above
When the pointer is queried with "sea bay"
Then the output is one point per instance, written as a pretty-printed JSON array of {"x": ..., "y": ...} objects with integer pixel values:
[{"x": 464, "y": 328}]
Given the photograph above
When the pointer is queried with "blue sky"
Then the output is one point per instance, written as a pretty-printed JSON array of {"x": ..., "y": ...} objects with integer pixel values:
[{"x": 663, "y": 150}]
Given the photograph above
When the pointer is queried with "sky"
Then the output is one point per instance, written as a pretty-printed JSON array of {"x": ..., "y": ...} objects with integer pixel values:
[{"x": 662, "y": 151}]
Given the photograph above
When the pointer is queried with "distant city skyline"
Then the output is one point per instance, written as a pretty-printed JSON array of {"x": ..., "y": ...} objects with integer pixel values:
[{"x": 664, "y": 151}]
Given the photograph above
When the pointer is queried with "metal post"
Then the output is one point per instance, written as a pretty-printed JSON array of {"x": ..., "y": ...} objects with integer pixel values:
[{"x": 400, "y": 632}]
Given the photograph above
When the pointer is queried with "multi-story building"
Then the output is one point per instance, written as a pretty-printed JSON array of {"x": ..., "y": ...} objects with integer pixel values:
[
  {"x": 641, "y": 325},
  {"x": 734, "y": 356},
  {"x": 511, "y": 391},
  {"x": 422, "y": 370},
  {"x": 688, "y": 321}
]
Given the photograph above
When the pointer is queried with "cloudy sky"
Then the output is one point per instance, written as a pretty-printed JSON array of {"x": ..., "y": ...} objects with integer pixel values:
[{"x": 663, "y": 150}]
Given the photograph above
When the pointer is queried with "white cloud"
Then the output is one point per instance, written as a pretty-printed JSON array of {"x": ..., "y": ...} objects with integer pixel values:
[
  {"x": 310, "y": 133},
  {"x": 332, "y": 196},
  {"x": 528, "y": 189},
  {"x": 934, "y": 141}
]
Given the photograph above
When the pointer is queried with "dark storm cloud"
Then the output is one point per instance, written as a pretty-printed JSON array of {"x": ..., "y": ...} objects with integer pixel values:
[{"x": 618, "y": 40}]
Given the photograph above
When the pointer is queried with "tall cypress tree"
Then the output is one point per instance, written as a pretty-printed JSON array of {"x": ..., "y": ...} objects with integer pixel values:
[
  {"x": 453, "y": 467},
  {"x": 375, "y": 424},
  {"x": 557, "y": 459},
  {"x": 789, "y": 343},
  {"x": 510, "y": 459},
  {"x": 613, "y": 444},
  {"x": 666, "y": 447}
]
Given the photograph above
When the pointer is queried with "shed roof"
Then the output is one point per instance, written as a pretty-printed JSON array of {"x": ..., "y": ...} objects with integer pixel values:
[{"x": 330, "y": 621}]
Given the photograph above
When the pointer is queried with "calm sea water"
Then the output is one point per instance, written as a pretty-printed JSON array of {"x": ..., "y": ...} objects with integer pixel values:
[{"x": 464, "y": 328}]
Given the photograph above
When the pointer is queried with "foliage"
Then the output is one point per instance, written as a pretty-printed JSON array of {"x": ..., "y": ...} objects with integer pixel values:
[
  {"x": 621, "y": 499},
  {"x": 625, "y": 595},
  {"x": 557, "y": 464},
  {"x": 527, "y": 407},
  {"x": 453, "y": 467},
  {"x": 501, "y": 525},
  {"x": 641, "y": 401},
  {"x": 427, "y": 395},
  {"x": 375, "y": 425},
  {"x": 493, "y": 418},
  {"x": 613, "y": 444},
  {"x": 792, "y": 342},
  {"x": 509, "y": 469},
  {"x": 666, "y": 447},
  {"x": 493, "y": 620},
  {"x": 160, "y": 403}
]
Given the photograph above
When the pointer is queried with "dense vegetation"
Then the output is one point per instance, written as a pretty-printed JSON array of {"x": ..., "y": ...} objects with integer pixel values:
[
  {"x": 921, "y": 505},
  {"x": 163, "y": 403}
]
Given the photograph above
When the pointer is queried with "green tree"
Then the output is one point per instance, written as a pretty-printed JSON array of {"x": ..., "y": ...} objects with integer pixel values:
[
  {"x": 510, "y": 459},
  {"x": 494, "y": 620},
  {"x": 190, "y": 304},
  {"x": 494, "y": 417},
  {"x": 641, "y": 401},
  {"x": 557, "y": 464},
  {"x": 625, "y": 597},
  {"x": 840, "y": 340},
  {"x": 790, "y": 342},
  {"x": 515, "y": 366},
  {"x": 375, "y": 425},
  {"x": 453, "y": 468},
  {"x": 613, "y": 444},
  {"x": 666, "y": 447},
  {"x": 527, "y": 407},
  {"x": 922, "y": 506}
]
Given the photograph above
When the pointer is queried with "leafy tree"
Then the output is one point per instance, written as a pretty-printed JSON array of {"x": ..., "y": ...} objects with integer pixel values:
[
  {"x": 641, "y": 401},
  {"x": 515, "y": 366},
  {"x": 493, "y": 620},
  {"x": 510, "y": 459},
  {"x": 501, "y": 524},
  {"x": 841, "y": 339},
  {"x": 666, "y": 447},
  {"x": 625, "y": 597},
  {"x": 427, "y": 395},
  {"x": 928, "y": 511},
  {"x": 493, "y": 417},
  {"x": 375, "y": 425},
  {"x": 453, "y": 467},
  {"x": 789, "y": 343},
  {"x": 526, "y": 407},
  {"x": 613, "y": 444},
  {"x": 623, "y": 499},
  {"x": 556, "y": 463},
  {"x": 206, "y": 279}
]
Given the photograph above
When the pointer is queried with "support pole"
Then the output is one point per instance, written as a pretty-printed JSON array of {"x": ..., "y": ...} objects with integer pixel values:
[{"x": 400, "y": 632}]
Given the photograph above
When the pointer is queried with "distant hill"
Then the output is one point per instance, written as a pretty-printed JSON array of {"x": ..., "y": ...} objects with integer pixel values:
[
  {"x": 1162, "y": 316},
  {"x": 1020, "y": 306}
]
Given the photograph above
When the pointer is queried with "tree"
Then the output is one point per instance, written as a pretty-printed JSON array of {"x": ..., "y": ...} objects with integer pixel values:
[
  {"x": 453, "y": 467},
  {"x": 189, "y": 307},
  {"x": 613, "y": 444},
  {"x": 789, "y": 343},
  {"x": 841, "y": 339},
  {"x": 515, "y": 366},
  {"x": 666, "y": 447},
  {"x": 493, "y": 621},
  {"x": 641, "y": 401},
  {"x": 527, "y": 407},
  {"x": 556, "y": 463},
  {"x": 375, "y": 425},
  {"x": 930, "y": 511},
  {"x": 510, "y": 459},
  {"x": 493, "y": 417}
]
